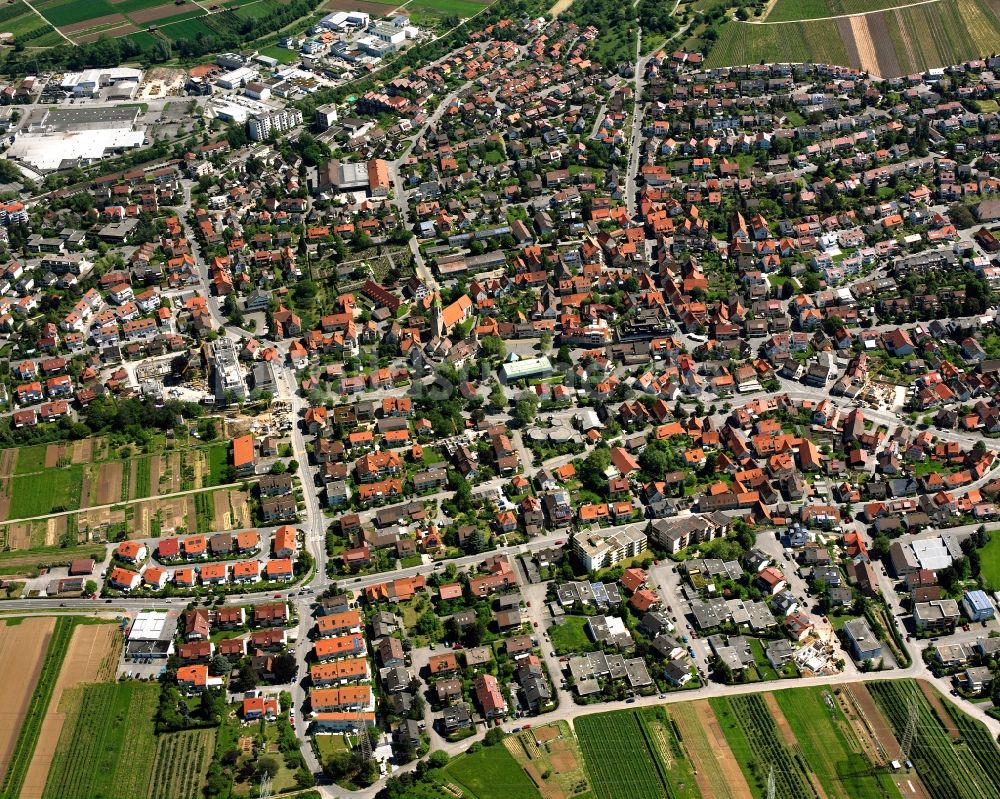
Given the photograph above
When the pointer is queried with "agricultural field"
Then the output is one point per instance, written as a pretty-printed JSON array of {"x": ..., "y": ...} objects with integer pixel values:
[
  {"x": 376, "y": 9},
  {"x": 954, "y": 755},
  {"x": 757, "y": 744},
  {"x": 717, "y": 773},
  {"x": 182, "y": 760},
  {"x": 107, "y": 746},
  {"x": 624, "y": 758},
  {"x": 823, "y": 742},
  {"x": 790, "y": 10},
  {"x": 144, "y": 22},
  {"x": 57, "y": 639},
  {"x": 551, "y": 750},
  {"x": 93, "y": 476},
  {"x": 44, "y": 492},
  {"x": 92, "y": 656},
  {"x": 491, "y": 773},
  {"x": 743, "y": 43},
  {"x": 458, "y": 8},
  {"x": 23, "y": 23},
  {"x": 831, "y": 749},
  {"x": 22, "y": 649},
  {"x": 887, "y": 43}
]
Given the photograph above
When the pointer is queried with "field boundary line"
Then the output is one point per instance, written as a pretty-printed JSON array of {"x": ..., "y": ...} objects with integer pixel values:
[
  {"x": 42, "y": 16},
  {"x": 121, "y": 503},
  {"x": 838, "y": 16}
]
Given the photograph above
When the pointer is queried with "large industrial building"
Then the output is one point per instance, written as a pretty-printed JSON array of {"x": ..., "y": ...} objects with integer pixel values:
[
  {"x": 151, "y": 635},
  {"x": 68, "y": 137}
]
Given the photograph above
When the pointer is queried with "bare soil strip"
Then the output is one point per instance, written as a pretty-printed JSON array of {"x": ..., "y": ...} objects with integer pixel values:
[
  {"x": 885, "y": 53},
  {"x": 114, "y": 33},
  {"x": 92, "y": 657},
  {"x": 22, "y": 650},
  {"x": 910, "y": 785},
  {"x": 83, "y": 450},
  {"x": 158, "y": 12},
  {"x": 939, "y": 710},
  {"x": 241, "y": 509},
  {"x": 107, "y": 19},
  {"x": 716, "y": 771},
  {"x": 220, "y": 502},
  {"x": 867, "y": 57},
  {"x": 847, "y": 37},
  {"x": 109, "y": 485},
  {"x": 155, "y": 470},
  {"x": 19, "y": 535},
  {"x": 52, "y": 455}
]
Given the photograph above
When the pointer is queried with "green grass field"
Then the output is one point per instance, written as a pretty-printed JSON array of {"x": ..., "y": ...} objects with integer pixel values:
[
  {"x": 255, "y": 10},
  {"x": 107, "y": 745},
  {"x": 989, "y": 558},
  {"x": 218, "y": 458},
  {"x": 185, "y": 29},
  {"x": 25, "y": 24},
  {"x": 570, "y": 636},
  {"x": 45, "y": 492},
  {"x": 69, "y": 12},
  {"x": 182, "y": 760},
  {"x": 282, "y": 54},
  {"x": 143, "y": 476},
  {"x": 491, "y": 773},
  {"x": 31, "y": 459},
  {"x": 831, "y": 748},
  {"x": 128, "y": 6},
  {"x": 460, "y": 8}
]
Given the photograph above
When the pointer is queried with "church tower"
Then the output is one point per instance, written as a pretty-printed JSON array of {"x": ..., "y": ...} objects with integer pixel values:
[{"x": 437, "y": 318}]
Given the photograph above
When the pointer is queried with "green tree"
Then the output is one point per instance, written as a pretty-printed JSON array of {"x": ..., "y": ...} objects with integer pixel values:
[
  {"x": 429, "y": 625},
  {"x": 493, "y": 347},
  {"x": 494, "y": 736},
  {"x": 269, "y": 765},
  {"x": 497, "y": 397},
  {"x": 592, "y": 471},
  {"x": 526, "y": 407},
  {"x": 656, "y": 460}
]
